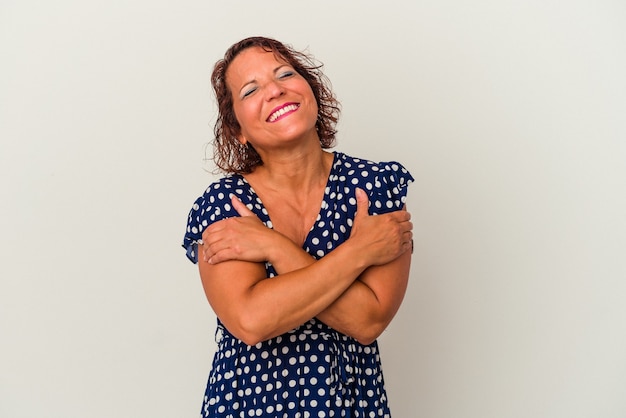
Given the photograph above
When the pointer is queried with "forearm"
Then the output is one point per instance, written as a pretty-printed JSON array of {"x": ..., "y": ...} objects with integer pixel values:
[
  {"x": 280, "y": 304},
  {"x": 368, "y": 305},
  {"x": 286, "y": 256},
  {"x": 256, "y": 309},
  {"x": 356, "y": 313}
]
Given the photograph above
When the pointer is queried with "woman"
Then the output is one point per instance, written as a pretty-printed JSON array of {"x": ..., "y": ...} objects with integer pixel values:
[{"x": 301, "y": 277}]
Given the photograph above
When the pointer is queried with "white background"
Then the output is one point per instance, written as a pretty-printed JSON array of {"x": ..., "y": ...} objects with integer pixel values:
[{"x": 510, "y": 115}]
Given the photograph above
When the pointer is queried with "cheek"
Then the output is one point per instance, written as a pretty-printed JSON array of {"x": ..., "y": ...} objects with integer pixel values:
[
  {"x": 309, "y": 90},
  {"x": 312, "y": 99},
  {"x": 315, "y": 109},
  {"x": 242, "y": 114}
]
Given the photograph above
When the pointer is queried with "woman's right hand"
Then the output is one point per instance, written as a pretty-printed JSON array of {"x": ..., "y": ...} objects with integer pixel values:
[
  {"x": 240, "y": 238},
  {"x": 382, "y": 238}
]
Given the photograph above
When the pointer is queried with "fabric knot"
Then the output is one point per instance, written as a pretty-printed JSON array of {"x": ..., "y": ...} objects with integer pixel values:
[{"x": 342, "y": 361}]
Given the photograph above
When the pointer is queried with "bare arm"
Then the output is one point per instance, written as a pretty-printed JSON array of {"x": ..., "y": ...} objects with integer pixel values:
[
  {"x": 366, "y": 306},
  {"x": 255, "y": 308},
  {"x": 369, "y": 304}
]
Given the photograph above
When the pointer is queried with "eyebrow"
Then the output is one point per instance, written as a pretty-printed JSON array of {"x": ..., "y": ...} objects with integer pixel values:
[{"x": 254, "y": 79}]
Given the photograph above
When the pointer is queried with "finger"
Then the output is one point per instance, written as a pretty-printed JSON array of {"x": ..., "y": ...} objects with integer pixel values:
[
  {"x": 408, "y": 246},
  {"x": 200, "y": 249},
  {"x": 240, "y": 207},
  {"x": 212, "y": 229},
  {"x": 210, "y": 246},
  {"x": 205, "y": 251},
  {"x": 401, "y": 215},
  {"x": 221, "y": 256},
  {"x": 210, "y": 254},
  {"x": 362, "y": 203}
]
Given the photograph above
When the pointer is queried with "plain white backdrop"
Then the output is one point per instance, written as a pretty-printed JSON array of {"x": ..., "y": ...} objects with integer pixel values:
[{"x": 510, "y": 115}]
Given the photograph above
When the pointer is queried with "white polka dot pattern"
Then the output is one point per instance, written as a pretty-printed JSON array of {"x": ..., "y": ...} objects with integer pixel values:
[{"x": 312, "y": 371}]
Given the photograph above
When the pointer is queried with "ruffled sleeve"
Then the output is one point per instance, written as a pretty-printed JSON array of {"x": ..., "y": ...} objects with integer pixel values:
[
  {"x": 390, "y": 187},
  {"x": 214, "y": 205}
]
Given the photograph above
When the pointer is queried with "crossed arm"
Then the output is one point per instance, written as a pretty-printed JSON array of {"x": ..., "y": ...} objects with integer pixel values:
[{"x": 356, "y": 289}]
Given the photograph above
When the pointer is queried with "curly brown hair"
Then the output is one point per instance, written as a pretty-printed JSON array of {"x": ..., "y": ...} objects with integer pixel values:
[{"x": 229, "y": 155}]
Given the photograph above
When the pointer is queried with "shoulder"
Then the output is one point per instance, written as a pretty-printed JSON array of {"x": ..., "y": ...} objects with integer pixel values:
[
  {"x": 222, "y": 188},
  {"x": 212, "y": 206},
  {"x": 215, "y": 203},
  {"x": 217, "y": 195},
  {"x": 360, "y": 169},
  {"x": 384, "y": 181}
]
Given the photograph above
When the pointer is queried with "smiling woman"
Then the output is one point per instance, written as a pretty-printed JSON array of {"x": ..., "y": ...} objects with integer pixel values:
[
  {"x": 300, "y": 275},
  {"x": 228, "y": 155},
  {"x": 272, "y": 102}
]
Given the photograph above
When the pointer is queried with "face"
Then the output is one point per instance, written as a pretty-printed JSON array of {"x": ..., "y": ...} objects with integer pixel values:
[{"x": 274, "y": 105}]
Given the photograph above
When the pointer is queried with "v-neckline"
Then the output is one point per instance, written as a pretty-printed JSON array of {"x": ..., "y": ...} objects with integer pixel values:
[{"x": 256, "y": 196}]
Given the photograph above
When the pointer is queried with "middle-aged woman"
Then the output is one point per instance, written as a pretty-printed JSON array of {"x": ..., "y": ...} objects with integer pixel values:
[{"x": 301, "y": 275}]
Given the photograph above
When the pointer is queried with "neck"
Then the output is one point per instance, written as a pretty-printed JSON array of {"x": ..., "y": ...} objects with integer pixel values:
[{"x": 297, "y": 171}]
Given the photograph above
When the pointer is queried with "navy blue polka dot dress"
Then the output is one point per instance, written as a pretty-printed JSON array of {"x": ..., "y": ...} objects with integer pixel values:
[{"x": 313, "y": 370}]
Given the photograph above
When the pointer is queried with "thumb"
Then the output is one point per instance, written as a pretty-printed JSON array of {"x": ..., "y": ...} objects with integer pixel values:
[
  {"x": 362, "y": 204},
  {"x": 241, "y": 209}
]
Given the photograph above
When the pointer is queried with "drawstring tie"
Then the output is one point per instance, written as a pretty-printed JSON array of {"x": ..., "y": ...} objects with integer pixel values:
[{"x": 342, "y": 361}]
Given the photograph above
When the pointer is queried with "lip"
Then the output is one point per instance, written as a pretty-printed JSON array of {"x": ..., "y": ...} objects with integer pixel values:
[{"x": 289, "y": 107}]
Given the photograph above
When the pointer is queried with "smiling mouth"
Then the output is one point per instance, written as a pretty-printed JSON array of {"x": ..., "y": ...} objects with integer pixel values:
[{"x": 278, "y": 114}]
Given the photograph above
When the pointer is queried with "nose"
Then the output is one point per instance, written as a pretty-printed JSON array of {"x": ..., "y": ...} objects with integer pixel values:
[{"x": 273, "y": 90}]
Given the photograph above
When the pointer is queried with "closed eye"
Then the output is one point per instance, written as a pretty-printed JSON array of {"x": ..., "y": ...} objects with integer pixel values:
[
  {"x": 248, "y": 92},
  {"x": 286, "y": 74}
]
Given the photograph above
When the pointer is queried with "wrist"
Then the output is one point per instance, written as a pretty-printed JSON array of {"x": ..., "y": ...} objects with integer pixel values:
[
  {"x": 356, "y": 253},
  {"x": 274, "y": 247}
]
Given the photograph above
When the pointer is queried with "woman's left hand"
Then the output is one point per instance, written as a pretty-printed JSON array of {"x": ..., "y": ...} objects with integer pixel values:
[{"x": 243, "y": 238}]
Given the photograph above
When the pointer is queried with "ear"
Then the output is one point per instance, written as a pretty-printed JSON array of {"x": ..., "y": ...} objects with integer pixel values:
[{"x": 242, "y": 139}]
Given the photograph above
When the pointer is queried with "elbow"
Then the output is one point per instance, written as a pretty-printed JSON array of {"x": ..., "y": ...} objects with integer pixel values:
[
  {"x": 375, "y": 326},
  {"x": 370, "y": 333},
  {"x": 251, "y": 329},
  {"x": 250, "y": 339},
  {"x": 365, "y": 340}
]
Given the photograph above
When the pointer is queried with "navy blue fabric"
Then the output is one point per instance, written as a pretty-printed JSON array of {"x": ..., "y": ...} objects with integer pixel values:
[{"x": 313, "y": 370}]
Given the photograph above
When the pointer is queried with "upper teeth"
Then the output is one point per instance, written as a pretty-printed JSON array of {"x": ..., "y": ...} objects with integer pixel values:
[{"x": 282, "y": 111}]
